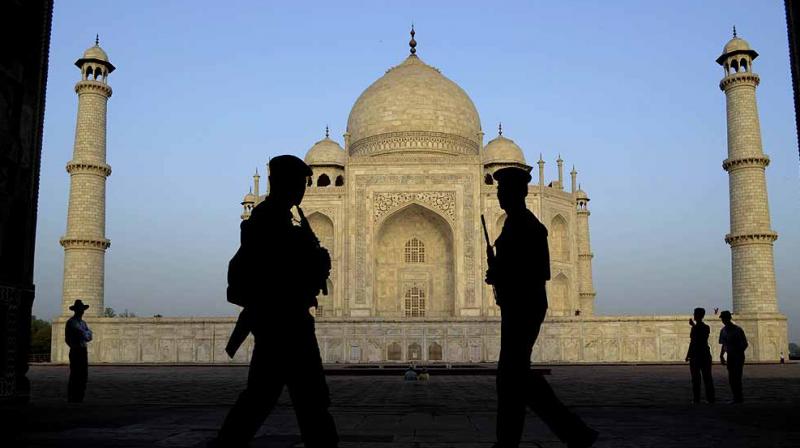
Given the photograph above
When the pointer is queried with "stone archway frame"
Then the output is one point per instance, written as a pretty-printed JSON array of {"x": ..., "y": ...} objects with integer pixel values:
[
  {"x": 398, "y": 202},
  {"x": 465, "y": 185}
]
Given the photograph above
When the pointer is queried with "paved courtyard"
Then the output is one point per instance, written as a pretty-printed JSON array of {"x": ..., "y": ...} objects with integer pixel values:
[{"x": 632, "y": 406}]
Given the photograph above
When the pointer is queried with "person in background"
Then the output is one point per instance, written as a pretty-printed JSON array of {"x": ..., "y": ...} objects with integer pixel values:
[
  {"x": 734, "y": 343},
  {"x": 410, "y": 374},
  {"x": 699, "y": 357},
  {"x": 424, "y": 375},
  {"x": 77, "y": 334}
]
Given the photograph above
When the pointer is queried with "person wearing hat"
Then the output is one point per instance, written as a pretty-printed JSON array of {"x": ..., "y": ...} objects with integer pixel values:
[
  {"x": 518, "y": 271},
  {"x": 284, "y": 265},
  {"x": 734, "y": 343},
  {"x": 77, "y": 334},
  {"x": 699, "y": 357}
]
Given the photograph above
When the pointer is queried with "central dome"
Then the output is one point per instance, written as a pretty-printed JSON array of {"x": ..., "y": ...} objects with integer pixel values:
[{"x": 413, "y": 108}]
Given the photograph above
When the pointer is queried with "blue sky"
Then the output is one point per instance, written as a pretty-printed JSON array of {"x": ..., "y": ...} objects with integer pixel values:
[{"x": 205, "y": 92}]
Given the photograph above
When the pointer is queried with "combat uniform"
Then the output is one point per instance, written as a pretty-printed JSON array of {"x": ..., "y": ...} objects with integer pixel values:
[
  {"x": 282, "y": 256},
  {"x": 519, "y": 273}
]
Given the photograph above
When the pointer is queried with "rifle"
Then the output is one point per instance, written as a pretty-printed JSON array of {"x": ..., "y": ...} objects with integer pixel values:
[
  {"x": 323, "y": 284},
  {"x": 489, "y": 252}
]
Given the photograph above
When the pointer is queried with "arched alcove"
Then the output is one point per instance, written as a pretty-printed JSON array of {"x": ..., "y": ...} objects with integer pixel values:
[
  {"x": 397, "y": 271},
  {"x": 558, "y": 300},
  {"x": 323, "y": 180},
  {"x": 434, "y": 352},
  {"x": 323, "y": 228},
  {"x": 325, "y": 302},
  {"x": 339, "y": 181},
  {"x": 394, "y": 352},
  {"x": 559, "y": 239}
]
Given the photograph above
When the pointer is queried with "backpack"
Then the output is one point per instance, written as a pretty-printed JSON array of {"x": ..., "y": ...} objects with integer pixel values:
[{"x": 238, "y": 286}]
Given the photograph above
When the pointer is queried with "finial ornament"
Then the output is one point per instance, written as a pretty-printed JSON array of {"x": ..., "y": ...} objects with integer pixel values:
[
  {"x": 256, "y": 175},
  {"x": 97, "y": 40},
  {"x": 413, "y": 43},
  {"x": 734, "y": 31},
  {"x": 327, "y": 132},
  {"x": 500, "y": 128}
]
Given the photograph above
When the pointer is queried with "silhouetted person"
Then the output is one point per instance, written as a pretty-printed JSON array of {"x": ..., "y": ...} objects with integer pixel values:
[
  {"x": 734, "y": 343},
  {"x": 77, "y": 334},
  {"x": 286, "y": 268},
  {"x": 699, "y": 357},
  {"x": 410, "y": 374},
  {"x": 518, "y": 272}
]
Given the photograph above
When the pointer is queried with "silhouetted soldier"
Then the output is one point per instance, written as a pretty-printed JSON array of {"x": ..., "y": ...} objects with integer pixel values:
[
  {"x": 734, "y": 343},
  {"x": 285, "y": 265},
  {"x": 518, "y": 272},
  {"x": 77, "y": 334},
  {"x": 699, "y": 356}
]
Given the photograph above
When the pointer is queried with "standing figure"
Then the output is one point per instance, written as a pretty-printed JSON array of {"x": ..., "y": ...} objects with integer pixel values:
[
  {"x": 77, "y": 334},
  {"x": 518, "y": 271},
  {"x": 699, "y": 356},
  {"x": 285, "y": 266},
  {"x": 734, "y": 343}
]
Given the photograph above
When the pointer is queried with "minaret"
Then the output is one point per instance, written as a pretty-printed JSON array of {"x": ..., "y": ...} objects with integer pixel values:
[
  {"x": 256, "y": 182},
  {"x": 586, "y": 291},
  {"x": 85, "y": 242},
  {"x": 751, "y": 236},
  {"x": 560, "y": 164}
]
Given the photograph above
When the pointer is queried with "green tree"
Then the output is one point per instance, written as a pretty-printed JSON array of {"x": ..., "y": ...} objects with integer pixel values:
[
  {"x": 127, "y": 313},
  {"x": 109, "y": 312},
  {"x": 40, "y": 337},
  {"x": 794, "y": 350}
]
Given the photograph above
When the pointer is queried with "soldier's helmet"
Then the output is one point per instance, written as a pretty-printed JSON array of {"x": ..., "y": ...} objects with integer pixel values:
[{"x": 288, "y": 167}]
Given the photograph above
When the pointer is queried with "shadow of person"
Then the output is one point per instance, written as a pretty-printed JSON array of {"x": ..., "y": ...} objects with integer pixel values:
[
  {"x": 276, "y": 275},
  {"x": 518, "y": 271}
]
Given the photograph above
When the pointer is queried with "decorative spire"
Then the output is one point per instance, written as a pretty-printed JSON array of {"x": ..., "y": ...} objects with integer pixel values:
[
  {"x": 97, "y": 40},
  {"x": 559, "y": 158},
  {"x": 500, "y": 128},
  {"x": 327, "y": 131},
  {"x": 413, "y": 43},
  {"x": 734, "y": 31},
  {"x": 256, "y": 175},
  {"x": 541, "y": 160}
]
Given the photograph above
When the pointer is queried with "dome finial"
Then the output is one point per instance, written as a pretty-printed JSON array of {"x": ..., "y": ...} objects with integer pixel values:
[
  {"x": 97, "y": 40},
  {"x": 327, "y": 132},
  {"x": 500, "y": 128},
  {"x": 734, "y": 31},
  {"x": 412, "y": 43}
]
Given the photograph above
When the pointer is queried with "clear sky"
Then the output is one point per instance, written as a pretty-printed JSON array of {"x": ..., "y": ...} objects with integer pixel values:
[{"x": 205, "y": 92}]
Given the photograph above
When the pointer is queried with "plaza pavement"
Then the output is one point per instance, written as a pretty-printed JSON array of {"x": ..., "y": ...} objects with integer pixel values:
[{"x": 632, "y": 406}]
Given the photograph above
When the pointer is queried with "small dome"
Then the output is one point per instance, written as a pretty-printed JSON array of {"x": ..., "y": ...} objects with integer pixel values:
[
  {"x": 325, "y": 152},
  {"x": 736, "y": 44},
  {"x": 249, "y": 198},
  {"x": 503, "y": 150},
  {"x": 95, "y": 52},
  {"x": 580, "y": 194}
]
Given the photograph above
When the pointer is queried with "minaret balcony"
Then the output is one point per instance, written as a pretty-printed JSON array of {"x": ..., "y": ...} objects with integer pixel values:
[
  {"x": 754, "y": 161},
  {"x": 742, "y": 239},
  {"x": 85, "y": 243},
  {"x": 742, "y": 78},
  {"x": 100, "y": 169},
  {"x": 92, "y": 86}
]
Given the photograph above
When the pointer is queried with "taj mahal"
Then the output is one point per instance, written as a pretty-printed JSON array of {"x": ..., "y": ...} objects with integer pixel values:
[{"x": 398, "y": 203}]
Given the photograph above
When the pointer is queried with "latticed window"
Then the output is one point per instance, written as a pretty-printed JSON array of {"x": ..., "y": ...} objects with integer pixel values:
[
  {"x": 415, "y": 251},
  {"x": 415, "y": 302}
]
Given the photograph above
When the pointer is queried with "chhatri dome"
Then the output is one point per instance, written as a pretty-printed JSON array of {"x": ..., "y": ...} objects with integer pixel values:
[
  {"x": 326, "y": 152},
  {"x": 503, "y": 150},
  {"x": 97, "y": 55},
  {"x": 413, "y": 107}
]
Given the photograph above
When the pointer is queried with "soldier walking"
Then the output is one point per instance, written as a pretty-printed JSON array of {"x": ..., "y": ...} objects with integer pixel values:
[
  {"x": 518, "y": 271},
  {"x": 734, "y": 343},
  {"x": 285, "y": 269},
  {"x": 699, "y": 357},
  {"x": 77, "y": 334}
]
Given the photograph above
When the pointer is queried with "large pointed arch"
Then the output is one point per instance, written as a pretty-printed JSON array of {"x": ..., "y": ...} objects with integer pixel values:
[
  {"x": 558, "y": 299},
  {"x": 433, "y": 276}
]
